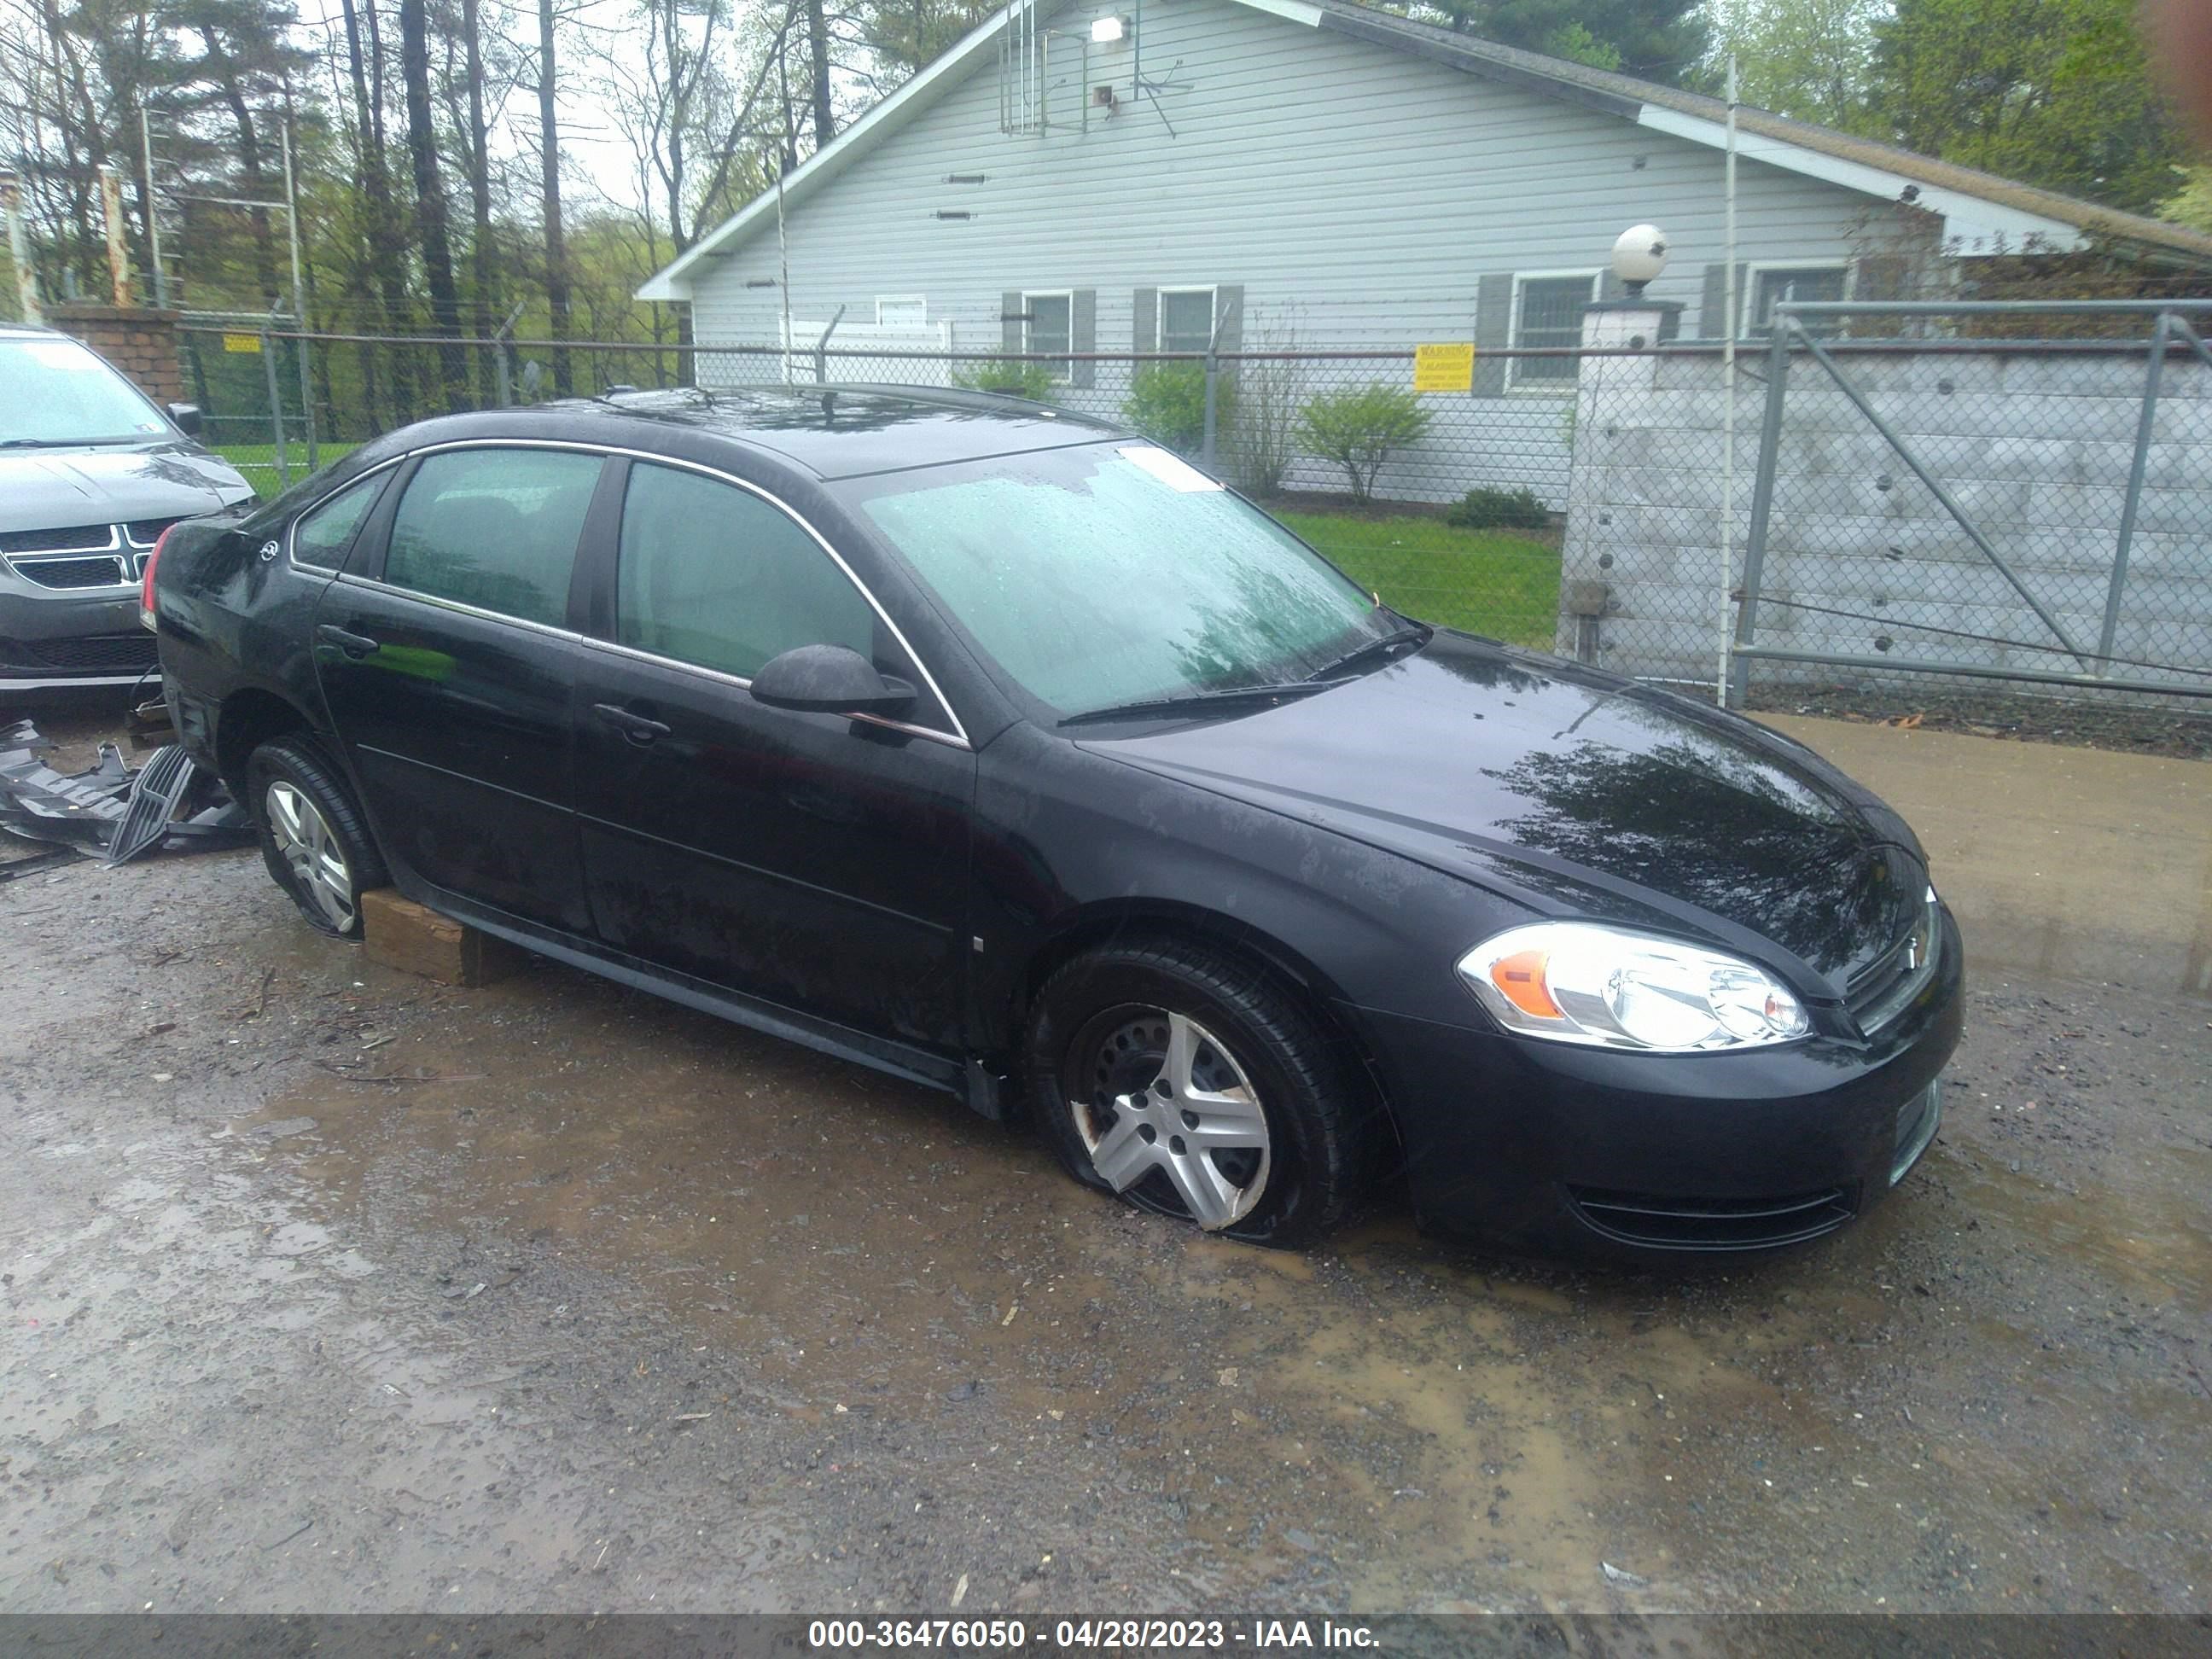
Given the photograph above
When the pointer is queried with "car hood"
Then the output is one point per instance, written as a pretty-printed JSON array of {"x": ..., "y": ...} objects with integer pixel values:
[
  {"x": 1575, "y": 793},
  {"x": 56, "y": 488}
]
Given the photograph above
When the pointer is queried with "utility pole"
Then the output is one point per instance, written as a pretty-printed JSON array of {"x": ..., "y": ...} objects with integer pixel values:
[
  {"x": 19, "y": 251},
  {"x": 299, "y": 292},
  {"x": 153, "y": 213},
  {"x": 118, "y": 254}
]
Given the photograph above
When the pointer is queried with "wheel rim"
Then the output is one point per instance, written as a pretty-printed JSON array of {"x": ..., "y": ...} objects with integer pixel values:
[
  {"x": 303, "y": 837},
  {"x": 1168, "y": 1113}
]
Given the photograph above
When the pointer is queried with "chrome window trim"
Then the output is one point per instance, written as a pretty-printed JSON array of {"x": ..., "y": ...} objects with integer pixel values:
[
  {"x": 957, "y": 738},
  {"x": 613, "y": 648},
  {"x": 291, "y": 530}
]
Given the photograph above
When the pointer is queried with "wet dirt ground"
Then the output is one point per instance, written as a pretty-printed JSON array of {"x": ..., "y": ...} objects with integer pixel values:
[{"x": 327, "y": 1288}]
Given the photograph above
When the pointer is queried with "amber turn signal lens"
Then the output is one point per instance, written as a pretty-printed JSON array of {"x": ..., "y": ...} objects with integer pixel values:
[{"x": 1520, "y": 980}]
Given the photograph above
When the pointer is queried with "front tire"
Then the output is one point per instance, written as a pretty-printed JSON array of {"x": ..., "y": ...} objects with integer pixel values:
[
  {"x": 1186, "y": 1080},
  {"x": 313, "y": 837}
]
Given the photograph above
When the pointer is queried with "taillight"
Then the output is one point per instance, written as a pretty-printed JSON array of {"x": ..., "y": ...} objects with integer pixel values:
[{"x": 146, "y": 580}]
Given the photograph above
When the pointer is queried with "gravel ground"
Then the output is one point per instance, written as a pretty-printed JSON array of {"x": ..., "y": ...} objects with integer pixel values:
[
  {"x": 327, "y": 1288},
  {"x": 2181, "y": 729}
]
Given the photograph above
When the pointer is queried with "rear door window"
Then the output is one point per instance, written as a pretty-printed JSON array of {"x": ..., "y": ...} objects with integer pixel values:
[{"x": 497, "y": 529}]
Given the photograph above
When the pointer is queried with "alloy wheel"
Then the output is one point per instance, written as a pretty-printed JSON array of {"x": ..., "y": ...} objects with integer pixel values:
[
  {"x": 1171, "y": 1113},
  {"x": 304, "y": 838}
]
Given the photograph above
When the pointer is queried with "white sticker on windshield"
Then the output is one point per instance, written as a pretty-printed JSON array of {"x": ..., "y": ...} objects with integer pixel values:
[
  {"x": 53, "y": 354},
  {"x": 1171, "y": 470}
]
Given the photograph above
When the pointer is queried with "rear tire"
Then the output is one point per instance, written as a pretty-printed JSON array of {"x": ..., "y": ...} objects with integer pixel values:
[
  {"x": 312, "y": 836},
  {"x": 1187, "y": 1080}
]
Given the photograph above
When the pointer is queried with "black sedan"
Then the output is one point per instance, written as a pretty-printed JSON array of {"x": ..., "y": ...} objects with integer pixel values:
[{"x": 1005, "y": 751}]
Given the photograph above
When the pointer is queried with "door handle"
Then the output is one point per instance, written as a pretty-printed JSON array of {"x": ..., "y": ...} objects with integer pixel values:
[
  {"x": 636, "y": 727},
  {"x": 354, "y": 645}
]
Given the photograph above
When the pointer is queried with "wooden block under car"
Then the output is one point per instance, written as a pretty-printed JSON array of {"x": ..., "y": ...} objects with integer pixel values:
[{"x": 400, "y": 934}]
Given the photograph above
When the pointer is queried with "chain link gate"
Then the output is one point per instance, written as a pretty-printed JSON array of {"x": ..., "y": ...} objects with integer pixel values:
[{"x": 2035, "y": 510}]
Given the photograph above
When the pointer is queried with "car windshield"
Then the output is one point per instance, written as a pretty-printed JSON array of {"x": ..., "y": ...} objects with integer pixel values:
[
  {"x": 52, "y": 391},
  {"x": 1115, "y": 574}
]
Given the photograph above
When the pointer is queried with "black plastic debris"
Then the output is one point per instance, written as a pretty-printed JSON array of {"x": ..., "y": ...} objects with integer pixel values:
[
  {"x": 157, "y": 789},
  {"x": 112, "y": 811}
]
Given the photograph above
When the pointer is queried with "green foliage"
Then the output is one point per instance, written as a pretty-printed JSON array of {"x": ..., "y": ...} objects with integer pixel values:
[
  {"x": 1574, "y": 42},
  {"x": 1657, "y": 39},
  {"x": 1358, "y": 427},
  {"x": 1008, "y": 377},
  {"x": 1808, "y": 59},
  {"x": 2191, "y": 205},
  {"x": 1167, "y": 403},
  {"x": 2055, "y": 93},
  {"x": 1485, "y": 508}
]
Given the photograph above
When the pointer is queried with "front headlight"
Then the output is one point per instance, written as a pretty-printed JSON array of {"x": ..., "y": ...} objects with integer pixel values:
[{"x": 1576, "y": 981}]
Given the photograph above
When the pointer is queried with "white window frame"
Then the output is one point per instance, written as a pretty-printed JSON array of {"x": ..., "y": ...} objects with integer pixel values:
[
  {"x": 1213, "y": 292},
  {"x": 1515, "y": 378},
  {"x": 882, "y": 300},
  {"x": 1755, "y": 268},
  {"x": 1062, "y": 370}
]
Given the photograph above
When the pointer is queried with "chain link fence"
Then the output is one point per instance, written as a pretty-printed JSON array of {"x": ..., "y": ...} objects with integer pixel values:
[{"x": 1911, "y": 495}]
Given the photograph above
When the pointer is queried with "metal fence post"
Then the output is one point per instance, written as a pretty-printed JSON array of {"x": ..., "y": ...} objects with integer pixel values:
[
  {"x": 822, "y": 350},
  {"x": 307, "y": 397},
  {"x": 1762, "y": 508},
  {"x": 275, "y": 407},
  {"x": 2117, "y": 591},
  {"x": 1209, "y": 432}
]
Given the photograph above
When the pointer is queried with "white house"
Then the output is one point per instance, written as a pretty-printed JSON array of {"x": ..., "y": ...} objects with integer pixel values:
[{"x": 1086, "y": 178}]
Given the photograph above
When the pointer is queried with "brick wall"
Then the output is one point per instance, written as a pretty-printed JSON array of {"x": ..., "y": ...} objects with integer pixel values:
[{"x": 142, "y": 343}]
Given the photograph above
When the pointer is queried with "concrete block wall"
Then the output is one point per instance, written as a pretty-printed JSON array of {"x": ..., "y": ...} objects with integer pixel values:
[
  {"x": 141, "y": 342},
  {"x": 2035, "y": 447}
]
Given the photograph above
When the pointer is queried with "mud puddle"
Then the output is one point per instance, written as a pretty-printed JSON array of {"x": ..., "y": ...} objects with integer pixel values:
[{"x": 1871, "y": 1424}]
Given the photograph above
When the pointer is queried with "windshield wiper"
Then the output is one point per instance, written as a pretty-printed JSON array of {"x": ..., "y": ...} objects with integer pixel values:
[
  {"x": 1191, "y": 701},
  {"x": 1360, "y": 654},
  {"x": 63, "y": 443}
]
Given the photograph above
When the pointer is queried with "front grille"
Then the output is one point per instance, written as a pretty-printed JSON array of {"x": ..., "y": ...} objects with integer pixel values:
[
  {"x": 1886, "y": 987},
  {"x": 102, "y": 572},
  {"x": 144, "y": 533},
  {"x": 75, "y": 538},
  {"x": 1713, "y": 1224},
  {"x": 92, "y": 654}
]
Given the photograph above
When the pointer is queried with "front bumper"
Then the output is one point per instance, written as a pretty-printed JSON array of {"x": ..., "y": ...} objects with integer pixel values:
[
  {"x": 1598, "y": 1152},
  {"x": 57, "y": 637}
]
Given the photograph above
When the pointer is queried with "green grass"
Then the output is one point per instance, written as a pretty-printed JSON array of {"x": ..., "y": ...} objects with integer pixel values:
[
  {"x": 1499, "y": 582},
  {"x": 257, "y": 462}
]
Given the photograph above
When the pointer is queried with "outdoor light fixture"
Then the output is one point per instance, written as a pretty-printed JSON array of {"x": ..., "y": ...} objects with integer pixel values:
[
  {"x": 1105, "y": 31},
  {"x": 1638, "y": 255}
]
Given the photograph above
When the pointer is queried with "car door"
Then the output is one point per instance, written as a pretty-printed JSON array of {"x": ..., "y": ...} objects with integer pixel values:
[
  {"x": 817, "y": 861},
  {"x": 446, "y": 661}
]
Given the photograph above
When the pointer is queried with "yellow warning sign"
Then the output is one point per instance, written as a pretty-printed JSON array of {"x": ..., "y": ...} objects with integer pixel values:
[
  {"x": 1448, "y": 366},
  {"x": 241, "y": 343}
]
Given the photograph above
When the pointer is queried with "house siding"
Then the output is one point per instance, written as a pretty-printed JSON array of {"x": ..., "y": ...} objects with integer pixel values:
[{"x": 1358, "y": 196}]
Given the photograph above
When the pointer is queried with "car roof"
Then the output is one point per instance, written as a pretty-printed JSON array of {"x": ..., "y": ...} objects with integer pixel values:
[{"x": 832, "y": 432}]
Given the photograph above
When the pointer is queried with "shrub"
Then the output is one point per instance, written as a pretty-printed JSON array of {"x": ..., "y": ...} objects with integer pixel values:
[
  {"x": 1008, "y": 377},
  {"x": 1358, "y": 428},
  {"x": 1485, "y": 508},
  {"x": 1270, "y": 391},
  {"x": 1167, "y": 403}
]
